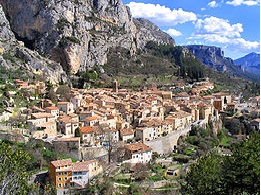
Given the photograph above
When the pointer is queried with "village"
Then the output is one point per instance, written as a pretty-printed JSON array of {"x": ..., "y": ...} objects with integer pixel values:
[{"x": 113, "y": 125}]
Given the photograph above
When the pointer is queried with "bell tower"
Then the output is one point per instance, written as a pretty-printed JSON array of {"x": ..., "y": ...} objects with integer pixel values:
[{"x": 115, "y": 86}]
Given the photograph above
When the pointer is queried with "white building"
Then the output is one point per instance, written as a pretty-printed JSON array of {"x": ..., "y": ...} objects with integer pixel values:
[{"x": 138, "y": 153}]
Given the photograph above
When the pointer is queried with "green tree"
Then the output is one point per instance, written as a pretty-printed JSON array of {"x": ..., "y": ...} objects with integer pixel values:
[
  {"x": 204, "y": 177},
  {"x": 242, "y": 169},
  {"x": 13, "y": 170},
  {"x": 235, "y": 174}
]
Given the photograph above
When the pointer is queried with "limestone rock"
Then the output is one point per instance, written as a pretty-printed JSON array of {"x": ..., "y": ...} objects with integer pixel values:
[
  {"x": 78, "y": 34},
  {"x": 14, "y": 55}
]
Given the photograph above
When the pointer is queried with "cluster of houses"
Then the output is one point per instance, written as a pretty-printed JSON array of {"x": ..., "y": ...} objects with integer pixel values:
[{"x": 96, "y": 118}]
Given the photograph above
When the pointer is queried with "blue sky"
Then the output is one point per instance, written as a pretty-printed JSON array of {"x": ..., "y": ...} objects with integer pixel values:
[{"x": 233, "y": 25}]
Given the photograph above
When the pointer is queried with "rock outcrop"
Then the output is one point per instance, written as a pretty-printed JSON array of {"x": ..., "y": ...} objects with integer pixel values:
[
  {"x": 214, "y": 57},
  {"x": 13, "y": 56},
  {"x": 78, "y": 34}
]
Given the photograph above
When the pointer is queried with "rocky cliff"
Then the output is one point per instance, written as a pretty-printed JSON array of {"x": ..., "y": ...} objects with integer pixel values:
[
  {"x": 214, "y": 57},
  {"x": 14, "y": 56},
  {"x": 79, "y": 33}
]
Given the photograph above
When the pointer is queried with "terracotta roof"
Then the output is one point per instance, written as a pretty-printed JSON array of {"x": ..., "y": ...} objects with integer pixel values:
[
  {"x": 86, "y": 129},
  {"x": 82, "y": 166},
  {"x": 67, "y": 139},
  {"x": 38, "y": 109},
  {"x": 92, "y": 118},
  {"x": 182, "y": 94},
  {"x": 42, "y": 115},
  {"x": 201, "y": 104},
  {"x": 47, "y": 124},
  {"x": 62, "y": 103},
  {"x": 127, "y": 131},
  {"x": 137, "y": 147},
  {"x": 52, "y": 108},
  {"x": 62, "y": 162}
]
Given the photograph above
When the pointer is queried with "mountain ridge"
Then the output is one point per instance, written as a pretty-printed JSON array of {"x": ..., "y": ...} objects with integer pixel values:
[
  {"x": 213, "y": 57},
  {"x": 61, "y": 40},
  {"x": 249, "y": 63}
]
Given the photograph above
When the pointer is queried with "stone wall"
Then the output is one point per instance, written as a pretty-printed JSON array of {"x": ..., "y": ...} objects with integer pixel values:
[
  {"x": 165, "y": 145},
  {"x": 88, "y": 153}
]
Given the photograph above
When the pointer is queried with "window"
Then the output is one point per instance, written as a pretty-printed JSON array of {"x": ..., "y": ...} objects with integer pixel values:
[
  {"x": 60, "y": 179},
  {"x": 59, "y": 167},
  {"x": 65, "y": 173},
  {"x": 65, "y": 185},
  {"x": 65, "y": 178},
  {"x": 59, "y": 185}
]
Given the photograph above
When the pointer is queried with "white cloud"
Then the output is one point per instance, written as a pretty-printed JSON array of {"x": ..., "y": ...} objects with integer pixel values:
[
  {"x": 203, "y": 9},
  {"x": 218, "y": 26},
  {"x": 243, "y": 2},
  {"x": 160, "y": 14},
  {"x": 218, "y": 30},
  {"x": 213, "y": 4},
  {"x": 173, "y": 32}
]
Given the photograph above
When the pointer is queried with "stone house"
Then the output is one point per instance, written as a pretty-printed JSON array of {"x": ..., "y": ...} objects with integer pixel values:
[
  {"x": 88, "y": 135},
  {"x": 137, "y": 153},
  {"x": 44, "y": 130},
  {"x": 205, "y": 111},
  {"x": 90, "y": 121},
  {"x": 67, "y": 146},
  {"x": 67, "y": 126},
  {"x": 53, "y": 110},
  {"x": 66, "y": 107},
  {"x": 126, "y": 134},
  {"x": 65, "y": 174},
  {"x": 146, "y": 133},
  {"x": 180, "y": 119},
  {"x": 76, "y": 100}
]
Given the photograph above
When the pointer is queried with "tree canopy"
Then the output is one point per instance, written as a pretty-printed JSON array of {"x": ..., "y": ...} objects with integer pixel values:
[
  {"x": 235, "y": 174},
  {"x": 13, "y": 170}
]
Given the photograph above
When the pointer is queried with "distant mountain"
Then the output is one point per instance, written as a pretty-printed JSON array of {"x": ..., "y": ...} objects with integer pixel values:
[
  {"x": 213, "y": 57},
  {"x": 249, "y": 63}
]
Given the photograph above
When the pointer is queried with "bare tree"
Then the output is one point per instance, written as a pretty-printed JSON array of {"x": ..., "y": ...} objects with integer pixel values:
[{"x": 108, "y": 138}]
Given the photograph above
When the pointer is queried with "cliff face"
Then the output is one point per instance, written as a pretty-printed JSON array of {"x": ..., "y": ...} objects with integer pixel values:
[
  {"x": 78, "y": 34},
  {"x": 210, "y": 56},
  {"x": 214, "y": 57},
  {"x": 13, "y": 56}
]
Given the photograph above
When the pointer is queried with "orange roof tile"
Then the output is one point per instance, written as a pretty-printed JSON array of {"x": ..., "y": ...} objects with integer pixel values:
[
  {"x": 92, "y": 118},
  {"x": 138, "y": 147},
  {"x": 68, "y": 139},
  {"x": 82, "y": 166},
  {"x": 52, "y": 108},
  {"x": 59, "y": 103},
  {"x": 62, "y": 162},
  {"x": 42, "y": 115},
  {"x": 127, "y": 131},
  {"x": 86, "y": 129}
]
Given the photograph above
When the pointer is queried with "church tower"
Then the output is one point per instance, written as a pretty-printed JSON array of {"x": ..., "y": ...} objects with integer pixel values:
[{"x": 115, "y": 86}]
